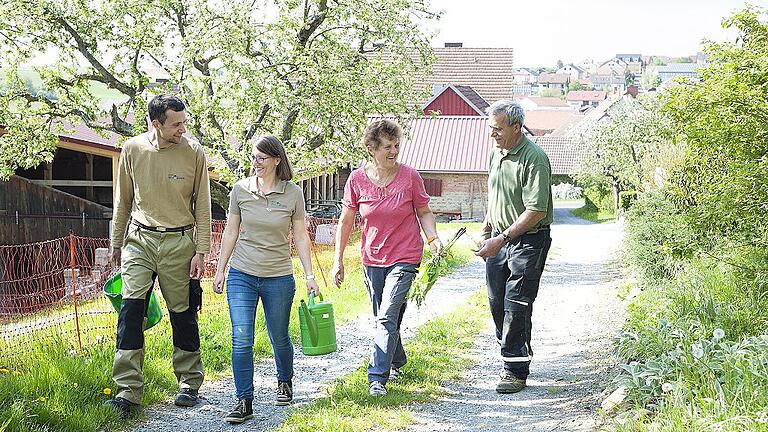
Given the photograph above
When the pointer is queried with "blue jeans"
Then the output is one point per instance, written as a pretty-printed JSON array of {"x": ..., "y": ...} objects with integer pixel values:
[
  {"x": 388, "y": 288},
  {"x": 243, "y": 294}
]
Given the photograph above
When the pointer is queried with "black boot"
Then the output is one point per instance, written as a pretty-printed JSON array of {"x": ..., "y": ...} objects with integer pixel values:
[{"x": 241, "y": 412}]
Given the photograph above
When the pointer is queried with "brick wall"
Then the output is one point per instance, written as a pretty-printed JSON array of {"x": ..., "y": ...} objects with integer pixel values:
[{"x": 465, "y": 194}]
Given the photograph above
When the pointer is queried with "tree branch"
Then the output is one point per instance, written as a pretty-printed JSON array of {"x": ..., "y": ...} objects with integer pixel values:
[{"x": 108, "y": 77}]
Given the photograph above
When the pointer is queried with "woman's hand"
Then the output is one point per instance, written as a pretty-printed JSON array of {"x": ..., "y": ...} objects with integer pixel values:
[
  {"x": 337, "y": 273},
  {"x": 218, "y": 282},
  {"x": 313, "y": 287},
  {"x": 436, "y": 246}
]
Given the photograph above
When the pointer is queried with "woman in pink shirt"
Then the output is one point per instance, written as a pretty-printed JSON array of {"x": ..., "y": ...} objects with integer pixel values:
[{"x": 394, "y": 207}]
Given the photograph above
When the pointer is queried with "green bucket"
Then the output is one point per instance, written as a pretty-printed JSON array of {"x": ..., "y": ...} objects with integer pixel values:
[
  {"x": 113, "y": 291},
  {"x": 318, "y": 330}
]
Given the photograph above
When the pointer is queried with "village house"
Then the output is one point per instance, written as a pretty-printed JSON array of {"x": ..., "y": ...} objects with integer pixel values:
[
  {"x": 579, "y": 98},
  {"x": 555, "y": 81},
  {"x": 576, "y": 73},
  {"x": 533, "y": 103}
]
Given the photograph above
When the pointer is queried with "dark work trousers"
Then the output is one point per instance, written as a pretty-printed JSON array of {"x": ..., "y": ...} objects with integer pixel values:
[{"x": 513, "y": 277}]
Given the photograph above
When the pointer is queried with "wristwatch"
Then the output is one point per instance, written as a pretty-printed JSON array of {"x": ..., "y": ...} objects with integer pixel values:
[
  {"x": 310, "y": 277},
  {"x": 506, "y": 237}
]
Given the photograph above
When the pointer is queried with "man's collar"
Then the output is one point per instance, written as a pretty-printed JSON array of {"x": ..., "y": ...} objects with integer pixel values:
[{"x": 516, "y": 149}]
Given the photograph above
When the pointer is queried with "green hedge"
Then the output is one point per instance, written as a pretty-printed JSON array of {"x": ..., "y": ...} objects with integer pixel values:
[{"x": 626, "y": 198}]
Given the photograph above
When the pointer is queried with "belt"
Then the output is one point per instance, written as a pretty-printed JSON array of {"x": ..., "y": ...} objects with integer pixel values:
[{"x": 163, "y": 229}]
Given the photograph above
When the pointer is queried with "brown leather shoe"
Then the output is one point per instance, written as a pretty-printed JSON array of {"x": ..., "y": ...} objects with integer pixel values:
[{"x": 509, "y": 383}]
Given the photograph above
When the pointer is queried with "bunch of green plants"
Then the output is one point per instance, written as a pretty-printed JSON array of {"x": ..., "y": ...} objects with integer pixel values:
[
  {"x": 436, "y": 266},
  {"x": 710, "y": 382},
  {"x": 658, "y": 237}
]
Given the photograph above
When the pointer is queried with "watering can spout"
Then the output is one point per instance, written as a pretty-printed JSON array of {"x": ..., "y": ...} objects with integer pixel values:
[{"x": 311, "y": 322}]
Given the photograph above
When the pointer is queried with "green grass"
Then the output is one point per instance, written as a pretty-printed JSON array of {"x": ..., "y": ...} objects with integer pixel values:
[
  {"x": 46, "y": 384},
  {"x": 591, "y": 214},
  {"x": 695, "y": 349},
  {"x": 436, "y": 354}
]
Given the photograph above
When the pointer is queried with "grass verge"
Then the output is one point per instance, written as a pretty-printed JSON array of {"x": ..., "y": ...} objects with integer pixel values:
[
  {"x": 593, "y": 215},
  {"x": 51, "y": 386},
  {"x": 436, "y": 354}
]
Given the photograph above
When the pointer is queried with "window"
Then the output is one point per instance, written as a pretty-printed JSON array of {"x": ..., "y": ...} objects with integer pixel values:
[{"x": 434, "y": 187}]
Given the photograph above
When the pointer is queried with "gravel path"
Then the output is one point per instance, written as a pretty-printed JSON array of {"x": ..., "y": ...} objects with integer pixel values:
[
  {"x": 312, "y": 374},
  {"x": 575, "y": 316}
]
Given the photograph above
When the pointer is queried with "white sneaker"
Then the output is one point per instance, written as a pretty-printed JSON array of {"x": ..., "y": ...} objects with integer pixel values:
[{"x": 377, "y": 389}]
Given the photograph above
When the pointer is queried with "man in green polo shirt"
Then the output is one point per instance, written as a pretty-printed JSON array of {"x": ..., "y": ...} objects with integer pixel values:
[{"x": 516, "y": 237}]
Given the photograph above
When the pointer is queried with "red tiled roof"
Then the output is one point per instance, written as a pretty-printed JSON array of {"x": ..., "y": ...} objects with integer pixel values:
[
  {"x": 548, "y": 101},
  {"x": 463, "y": 144},
  {"x": 586, "y": 95},
  {"x": 487, "y": 70},
  {"x": 546, "y": 121},
  {"x": 554, "y": 78}
]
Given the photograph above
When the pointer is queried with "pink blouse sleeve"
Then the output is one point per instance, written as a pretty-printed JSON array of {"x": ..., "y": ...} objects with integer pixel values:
[
  {"x": 420, "y": 196},
  {"x": 351, "y": 193}
]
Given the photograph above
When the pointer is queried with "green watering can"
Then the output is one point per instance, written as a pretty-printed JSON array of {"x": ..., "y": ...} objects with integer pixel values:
[
  {"x": 318, "y": 331},
  {"x": 113, "y": 291}
]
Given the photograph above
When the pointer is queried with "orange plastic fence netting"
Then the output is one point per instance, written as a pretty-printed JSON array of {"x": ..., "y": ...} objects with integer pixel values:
[{"x": 51, "y": 292}]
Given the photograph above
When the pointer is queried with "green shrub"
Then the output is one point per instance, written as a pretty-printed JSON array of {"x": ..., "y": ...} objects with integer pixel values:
[
  {"x": 599, "y": 197},
  {"x": 657, "y": 236},
  {"x": 626, "y": 198}
]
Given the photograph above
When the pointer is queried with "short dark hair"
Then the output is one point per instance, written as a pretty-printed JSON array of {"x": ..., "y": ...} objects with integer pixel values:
[
  {"x": 379, "y": 129},
  {"x": 162, "y": 103},
  {"x": 270, "y": 145}
]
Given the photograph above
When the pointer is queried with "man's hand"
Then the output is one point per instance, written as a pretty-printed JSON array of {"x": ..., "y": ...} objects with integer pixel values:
[
  {"x": 491, "y": 247},
  {"x": 337, "y": 273},
  {"x": 197, "y": 266},
  {"x": 115, "y": 257}
]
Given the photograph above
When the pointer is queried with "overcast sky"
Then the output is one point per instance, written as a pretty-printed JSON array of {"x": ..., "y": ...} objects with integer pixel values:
[{"x": 541, "y": 32}]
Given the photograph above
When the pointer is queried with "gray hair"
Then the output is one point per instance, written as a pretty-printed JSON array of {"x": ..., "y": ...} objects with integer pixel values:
[{"x": 510, "y": 109}]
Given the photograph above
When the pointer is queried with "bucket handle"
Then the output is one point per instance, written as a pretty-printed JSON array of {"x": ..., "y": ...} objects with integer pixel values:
[
  {"x": 311, "y": 321},
  {"x": 312, "y": 298}
]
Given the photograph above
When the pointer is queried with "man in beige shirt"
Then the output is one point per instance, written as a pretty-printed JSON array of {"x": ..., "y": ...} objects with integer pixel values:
[{"x": 161, "y": 229}]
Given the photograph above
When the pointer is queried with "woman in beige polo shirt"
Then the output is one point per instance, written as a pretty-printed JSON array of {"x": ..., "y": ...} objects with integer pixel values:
[{"x": 263, "y": 209}]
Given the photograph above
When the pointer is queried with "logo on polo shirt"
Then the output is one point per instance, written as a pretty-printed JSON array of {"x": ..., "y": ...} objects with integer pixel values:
[
  {"x": 175, "y": 177},
  {"x": 277, "y": 204}
]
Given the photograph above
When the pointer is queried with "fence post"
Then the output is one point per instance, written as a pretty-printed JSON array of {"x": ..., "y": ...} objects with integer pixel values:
[{"x": 74, "y": 290}]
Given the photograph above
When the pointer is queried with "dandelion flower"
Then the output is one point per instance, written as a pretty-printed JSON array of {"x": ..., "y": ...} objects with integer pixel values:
[
  {"x": 75, "y": 385},
  {"x": 3, "y": 371},
  {"x": 667, "y": 387},
  {"x": 697, "y": 350},
  {"x": 107, "y": 391},
  {"x": 42, "y": 398},
  {"x": 718, "y": 333}
]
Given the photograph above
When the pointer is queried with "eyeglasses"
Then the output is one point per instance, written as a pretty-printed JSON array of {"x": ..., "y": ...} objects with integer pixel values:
[{"x": 261, "y": 159}]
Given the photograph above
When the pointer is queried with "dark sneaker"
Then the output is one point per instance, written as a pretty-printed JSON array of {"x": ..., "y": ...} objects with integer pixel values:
[
  {"x": 395, "y": 373},
  {"x": 377, "y": 389},
  {"x": 284, "y": 393},
  {"x": 509, "y": 383},
  {"x": 123, "y": 406},
  {"x": 241, "y": 412},
  {"x": 187, "y": 397}
]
